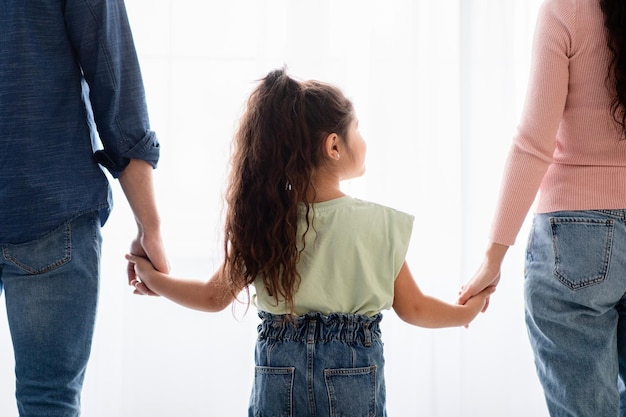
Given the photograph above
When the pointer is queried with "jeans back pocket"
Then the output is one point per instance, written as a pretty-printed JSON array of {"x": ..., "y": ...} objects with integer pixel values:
[
  {"x": 582, "y": 250},
  {"x": 352, "y": 391},
  {"x": 44, "y": 254},
  {"x": 273, "y": 391}
]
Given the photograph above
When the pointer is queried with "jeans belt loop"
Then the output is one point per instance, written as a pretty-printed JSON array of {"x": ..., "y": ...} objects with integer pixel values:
[{"x": 368, "y": 335}]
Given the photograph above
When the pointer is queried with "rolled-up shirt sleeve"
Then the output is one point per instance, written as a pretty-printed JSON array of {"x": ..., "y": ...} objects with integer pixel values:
[
  {"x": 147, "y": 149},
  {"x": 101, "y": 36}
]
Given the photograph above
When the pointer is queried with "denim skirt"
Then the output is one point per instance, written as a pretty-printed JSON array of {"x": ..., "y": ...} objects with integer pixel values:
[{"x": 318, "y": 366}]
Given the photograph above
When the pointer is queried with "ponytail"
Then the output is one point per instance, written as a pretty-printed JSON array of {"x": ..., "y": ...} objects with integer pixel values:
[{"x": 276, "y": 149}]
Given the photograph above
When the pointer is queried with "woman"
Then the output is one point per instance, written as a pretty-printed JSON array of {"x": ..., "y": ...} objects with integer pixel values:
[{"x": 570, "y": 147}]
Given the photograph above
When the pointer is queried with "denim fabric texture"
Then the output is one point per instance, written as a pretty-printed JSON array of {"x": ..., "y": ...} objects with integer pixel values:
[
  {"x": 67, "y": 65},
  {"x": 575, "y": 281},
  {"x": 318, "y": 366},
  {"x": 51, "y": 289}
]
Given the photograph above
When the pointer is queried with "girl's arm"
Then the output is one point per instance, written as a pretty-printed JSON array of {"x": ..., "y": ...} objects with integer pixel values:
[
  {"x": 212, "y": 295},
  {"x": 419, "y": 309}
]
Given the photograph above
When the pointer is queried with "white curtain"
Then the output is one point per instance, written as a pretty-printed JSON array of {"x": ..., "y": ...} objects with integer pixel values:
[{"x": 438, "y": 87}]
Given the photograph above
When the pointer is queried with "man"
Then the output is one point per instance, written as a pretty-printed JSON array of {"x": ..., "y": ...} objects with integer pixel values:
[{"x": 69, "y": 84}]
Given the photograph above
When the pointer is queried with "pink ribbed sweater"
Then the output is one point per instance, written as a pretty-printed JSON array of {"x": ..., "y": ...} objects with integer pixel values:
[{"x": 567, "y": 145}]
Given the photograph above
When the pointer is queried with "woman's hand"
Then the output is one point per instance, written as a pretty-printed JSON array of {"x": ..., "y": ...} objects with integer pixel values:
[{"x": 488, "y": 275}]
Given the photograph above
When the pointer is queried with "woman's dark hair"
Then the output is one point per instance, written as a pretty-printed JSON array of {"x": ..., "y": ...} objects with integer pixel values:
[
  {"x": 615, "y": 23},
  {"x": 276, "y": 150}
]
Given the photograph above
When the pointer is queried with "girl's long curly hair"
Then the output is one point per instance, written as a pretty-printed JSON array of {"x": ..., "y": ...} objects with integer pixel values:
[
  {"x": 615, "y": 24},
  {"x": 276, "y": 150}
]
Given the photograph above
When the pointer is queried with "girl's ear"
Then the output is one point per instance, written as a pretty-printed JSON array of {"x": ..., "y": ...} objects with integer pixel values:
[{"x": 331, "y": 147}]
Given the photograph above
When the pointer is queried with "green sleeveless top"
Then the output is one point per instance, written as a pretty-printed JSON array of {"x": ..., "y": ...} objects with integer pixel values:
[{"x": 353, "y": 252}]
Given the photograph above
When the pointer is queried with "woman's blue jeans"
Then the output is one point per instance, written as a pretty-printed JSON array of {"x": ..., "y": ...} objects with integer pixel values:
[
  {"x": 51, "y": 289},
  {"x": 576, "y": 310},
  {"x": 319, "y": 366}
]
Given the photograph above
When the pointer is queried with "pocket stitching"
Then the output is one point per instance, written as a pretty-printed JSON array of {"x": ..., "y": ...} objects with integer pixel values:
[
  {"x": 365, "y": 371},
  {"x": 268, "y": 371},
  {"x": 34, "y": 271},
  {"x": 608, "y": 241}
]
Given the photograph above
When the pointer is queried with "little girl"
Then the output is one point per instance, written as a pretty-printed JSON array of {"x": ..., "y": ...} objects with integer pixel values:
[{"x": 323, "y": 264}]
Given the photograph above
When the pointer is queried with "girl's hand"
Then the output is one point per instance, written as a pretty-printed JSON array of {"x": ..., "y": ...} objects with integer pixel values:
[
  {"x": 479, "y": 302},
  {"x": 143, "y": 272},
  {"x": 149, "y": 247}
]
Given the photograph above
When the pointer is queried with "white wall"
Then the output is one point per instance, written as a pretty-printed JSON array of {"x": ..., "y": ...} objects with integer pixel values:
[{"x": 438, "y": 87}]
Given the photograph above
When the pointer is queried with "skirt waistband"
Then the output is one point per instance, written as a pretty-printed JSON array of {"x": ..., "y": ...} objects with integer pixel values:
[{"x": 317, "y": 327}]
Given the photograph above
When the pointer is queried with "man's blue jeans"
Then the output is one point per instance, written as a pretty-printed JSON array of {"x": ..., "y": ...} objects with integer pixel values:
[
  {"x": 51, "y": 289},
  {"x": 575, "y": 310}
]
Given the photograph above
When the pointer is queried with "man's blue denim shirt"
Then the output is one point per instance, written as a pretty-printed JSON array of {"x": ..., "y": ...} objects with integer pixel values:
[{"x": 71, "y": 100}]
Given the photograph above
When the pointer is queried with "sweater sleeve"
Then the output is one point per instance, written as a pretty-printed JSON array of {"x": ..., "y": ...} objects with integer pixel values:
[{"x": 534, "y": 142}]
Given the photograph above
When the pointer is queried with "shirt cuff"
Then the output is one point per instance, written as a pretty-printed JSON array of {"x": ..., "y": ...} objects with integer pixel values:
[{"x": 147, "y": 149}]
